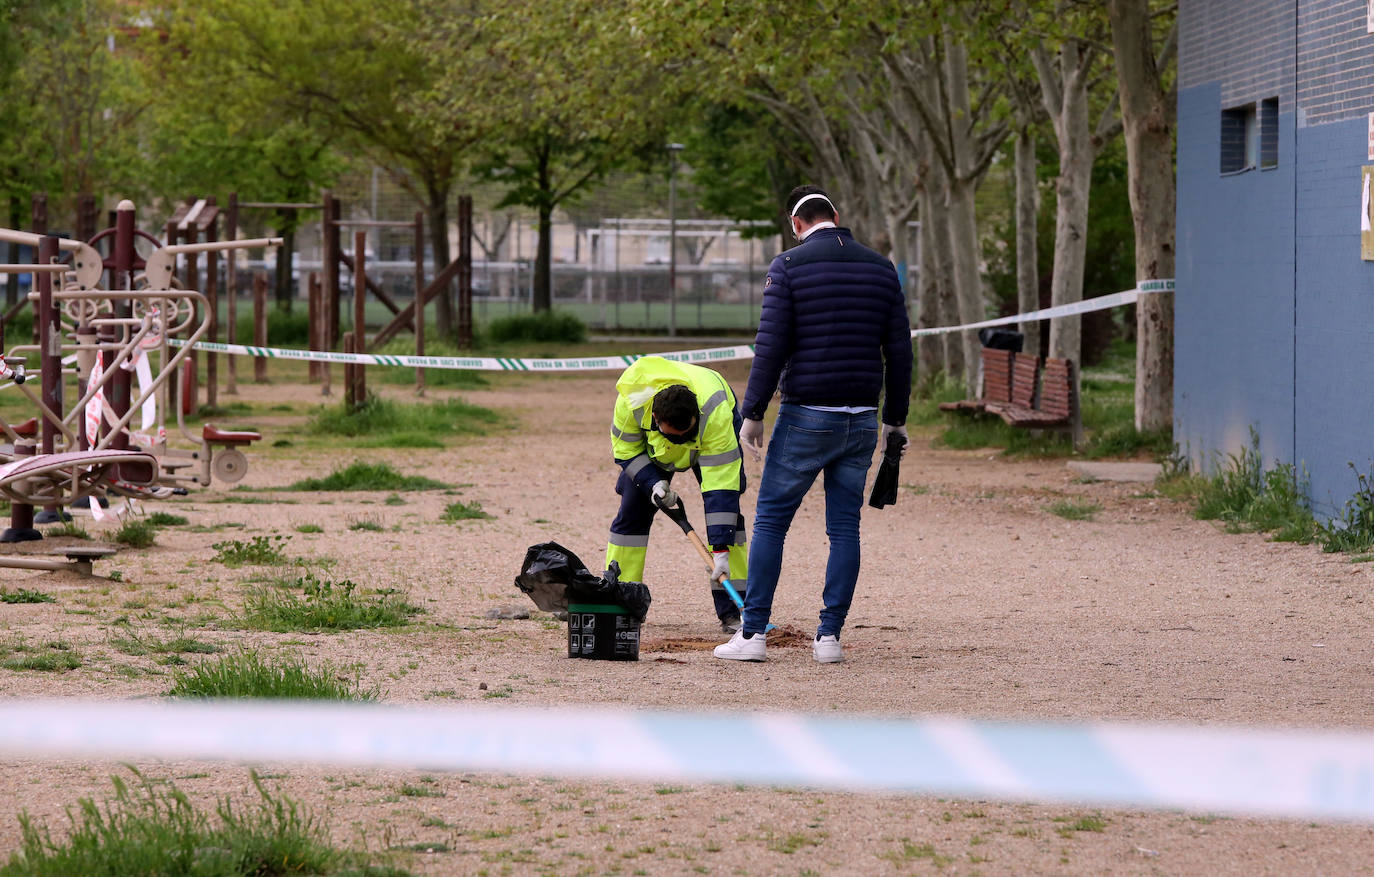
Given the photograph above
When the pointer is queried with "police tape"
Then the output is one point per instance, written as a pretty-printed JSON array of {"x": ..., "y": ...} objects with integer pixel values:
[
  {"x": 619, "y": 361},
  {"x": 475, "y": 363},
  {"x": 1296, "y": 774}
]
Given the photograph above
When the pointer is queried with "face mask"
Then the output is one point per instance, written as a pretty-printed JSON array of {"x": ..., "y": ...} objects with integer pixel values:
[{"x": 689, "y": 435}]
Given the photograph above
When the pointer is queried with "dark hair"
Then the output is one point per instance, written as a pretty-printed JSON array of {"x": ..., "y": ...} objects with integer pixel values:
[
  {"x": 813, "y": 210},
  {"x": 676, "y": 406}
]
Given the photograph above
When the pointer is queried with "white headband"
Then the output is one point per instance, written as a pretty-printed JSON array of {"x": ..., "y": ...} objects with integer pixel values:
[{"x": 813, "y": 195}]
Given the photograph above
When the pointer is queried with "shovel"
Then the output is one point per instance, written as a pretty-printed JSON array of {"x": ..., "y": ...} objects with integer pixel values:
[{"x": 679, "y": 515}]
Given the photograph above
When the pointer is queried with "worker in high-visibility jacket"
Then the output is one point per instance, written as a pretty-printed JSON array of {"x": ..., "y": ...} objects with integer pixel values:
[{"x": 670, "y": 417}]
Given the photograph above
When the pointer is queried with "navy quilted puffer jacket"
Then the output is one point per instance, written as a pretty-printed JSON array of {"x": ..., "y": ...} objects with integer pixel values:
[{"x": 833, "y": 315}]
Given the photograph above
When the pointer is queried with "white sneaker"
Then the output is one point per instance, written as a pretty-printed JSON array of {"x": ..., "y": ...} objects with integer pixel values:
[
  {"x": 743, "y": 647},
  {"x": 827, "y": 649}
]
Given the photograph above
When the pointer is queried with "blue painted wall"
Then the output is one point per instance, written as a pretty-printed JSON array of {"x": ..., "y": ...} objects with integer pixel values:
[
  {"x": 1275, "y": 307},
  {"x": 1233, "y": 321}
]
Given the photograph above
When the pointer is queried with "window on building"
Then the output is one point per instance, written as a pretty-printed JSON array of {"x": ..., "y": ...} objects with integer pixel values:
[
  {"x": 1269, "y": 133},
  {"x": 1239, "y": 132},
  {"x": 1250, "y": 136}
]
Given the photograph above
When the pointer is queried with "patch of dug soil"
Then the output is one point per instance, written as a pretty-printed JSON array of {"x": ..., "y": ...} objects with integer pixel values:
[{"x": 784, "y": 636}]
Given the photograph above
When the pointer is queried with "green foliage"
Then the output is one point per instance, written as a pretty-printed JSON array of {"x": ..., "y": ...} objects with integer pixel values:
[
  {"x": 309, "y": 528},
  {"x": 1074, "y": 511},
  {"x": 1353, "y": 529},
  {"x": 366, "y": 525},
  {"x": 368, "y": 476},
  {"x": 284, "y": 328},
  {"x": 258, "y": 551},
  {"x": 248, "y": 674},
  {"x": 53, "y": 657},
  {"x": 324, "y": 605},
  {"x": 166, "y": 519},
  {"x": 24, "y": 595},
  {"x": 69, "y": 529},
  {"x": 151, "y": 827},
  {"x": 136, "y": 533},
  {"x": 1250, "y": 499},
  {"x": 546, "y": 326},
  {"x": 381, "y": 422},
  {"x": 464, "y": 511}
]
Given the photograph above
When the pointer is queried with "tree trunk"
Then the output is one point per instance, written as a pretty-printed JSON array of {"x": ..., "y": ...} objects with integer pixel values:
[
  {"x": 930, "y": 349},
  {"x": 12, "y": 282},
  {"x": 968, "y": 280},
  {"x": 436, "y": 219},
  {"x": 1027, "y": 258},
  {"x": 285, "y": 259},
  {"x": 1148, "y": 117},
  {"x": 543, "y": 261},
  {"x": 1066, "y": 100},
  {"x": 946, "y": 304}
]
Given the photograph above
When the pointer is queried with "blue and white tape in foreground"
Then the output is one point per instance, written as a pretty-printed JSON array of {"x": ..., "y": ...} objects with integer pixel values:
[{"x": 1311, "y": 774}]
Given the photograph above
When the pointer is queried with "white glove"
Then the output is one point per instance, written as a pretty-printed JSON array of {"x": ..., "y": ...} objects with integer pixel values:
[
  {"x": 722, "y": 567},
  {"x": 889, "y": 430},
  {"x": 751, "y": 437},
  {"x": 664, "y": 496}
]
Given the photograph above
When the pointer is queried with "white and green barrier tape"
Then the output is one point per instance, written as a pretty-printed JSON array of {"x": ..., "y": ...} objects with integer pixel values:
[{"x": 619, "y": 361}]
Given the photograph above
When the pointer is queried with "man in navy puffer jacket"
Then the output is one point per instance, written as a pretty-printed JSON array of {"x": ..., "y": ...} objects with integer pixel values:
[{"x": 833, "y": 331}]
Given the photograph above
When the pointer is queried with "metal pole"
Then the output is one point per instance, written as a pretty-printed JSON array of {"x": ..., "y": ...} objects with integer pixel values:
[
  {"x": 231, "y": 284},
  {"x": 359, "y": 317},
  {"x": 212, "y": 296},
  {"x": 672, "y": 239},
  {"x": 420, "y": 298}
]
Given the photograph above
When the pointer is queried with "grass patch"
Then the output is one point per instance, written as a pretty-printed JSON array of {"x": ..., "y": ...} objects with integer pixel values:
[
  {"x": 464, "y": 511},
  {"x": 435, "y": 345},
  {"x": 1247, "y": 498},
  {"x": 1074, "y": 511},
  {"x": 544, "y": 326},
  {"x": 71, "y": 530},
  {"x": 324, "y": 605},
  {"x": 24, "y": 595},
  {"x": 55, "y": 657},
  {"x": 136, "y": 643},
  {"x": 259, "y": 551},
  {"x": 1352, "y": 530},
  {"x": 368, "y": 476},
  {"x": 136, "y": 533},
  {"x": 309, "y": 528},
  {"x": 366, "y": 525},
  {"x": 247, "y": 674},
  {"x": 383, "y": 423},
  {"x": 151, "y": 827},
  {"x": 166, "y": 519}
]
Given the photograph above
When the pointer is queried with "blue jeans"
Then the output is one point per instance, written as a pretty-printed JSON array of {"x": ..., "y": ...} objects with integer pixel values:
[{"x": 804, "y": 444}]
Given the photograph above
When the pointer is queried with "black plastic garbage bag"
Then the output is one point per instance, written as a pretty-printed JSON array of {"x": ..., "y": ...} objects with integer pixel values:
[
  {"x": 885, "y": 483},
  {"x": 552, "y": 575},
  {"x": 1001, "y": 339}
]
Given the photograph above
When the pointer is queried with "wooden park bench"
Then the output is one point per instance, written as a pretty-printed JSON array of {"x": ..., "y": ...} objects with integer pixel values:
[
  {"x": 996, "y": 383},
  {"x": 1039, "y": 396}
]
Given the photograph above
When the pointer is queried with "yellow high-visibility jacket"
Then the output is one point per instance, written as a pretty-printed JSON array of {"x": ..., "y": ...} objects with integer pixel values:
[{"x": 645, "y": 454}]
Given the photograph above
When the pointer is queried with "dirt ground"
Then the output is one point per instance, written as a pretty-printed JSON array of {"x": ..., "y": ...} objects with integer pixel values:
[{"x": 973, "y": 600}]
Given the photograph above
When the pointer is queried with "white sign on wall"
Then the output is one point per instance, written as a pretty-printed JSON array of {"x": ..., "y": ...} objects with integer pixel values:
[{"x": 1369, "y": 18}]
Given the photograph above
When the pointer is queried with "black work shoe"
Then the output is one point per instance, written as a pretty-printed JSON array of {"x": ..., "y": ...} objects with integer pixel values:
[{"x": 730, "y": 623}]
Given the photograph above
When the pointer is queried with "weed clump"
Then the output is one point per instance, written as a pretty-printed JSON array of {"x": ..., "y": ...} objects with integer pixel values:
[
  {"x": 383, "y": 423},
  {"x": 1250, "y": 499},
  {"x": 1353, "y": 529},
  {"x": 368, "y": 476},
  {"x": 246, "y": 674},
  {"x": 136, "y": 533},
  {"x": 464, "y": 511},
  {"x": 24, "y": 595},
  {"x": 324, "y": 605},
  {"x": 151, "y": 827},
  {"x": 258, "y": 551}
]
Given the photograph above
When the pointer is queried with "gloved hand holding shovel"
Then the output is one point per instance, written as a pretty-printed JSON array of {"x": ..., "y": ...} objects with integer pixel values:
[{"x": 679, "y": 515}]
